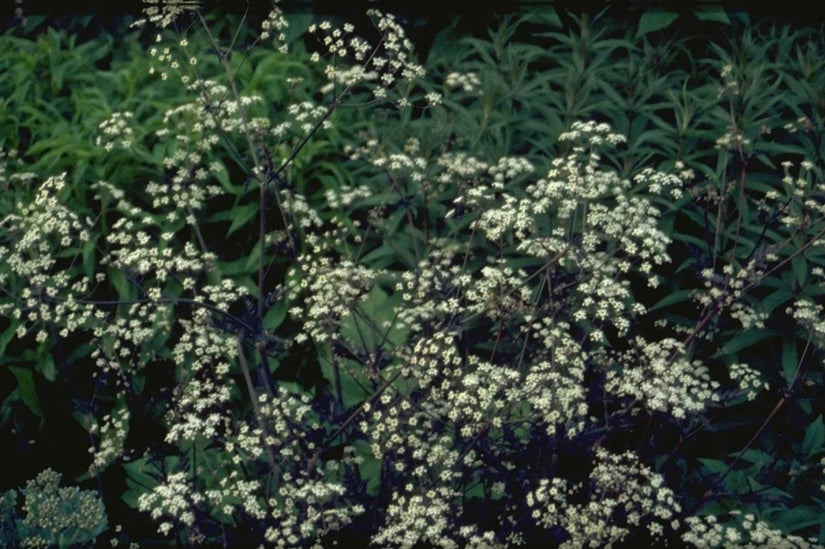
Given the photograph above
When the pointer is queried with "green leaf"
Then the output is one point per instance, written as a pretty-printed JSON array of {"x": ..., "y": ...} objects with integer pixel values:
[
  {"x": 31, "y": 22},
  {"x": 26, "y": 389},
  {"x": 298, "y": 23},
  {"x": 136, "y": 488},
  {"x": 222, "y": 176},
  {"x": 9, "y": 334},
  {"x": 653, "y": 21},
  {"x": 713, "y": 13},
  {"x": 369, "y": 467},
  {"x": 790, "y": 363},
  {"x": 380, "y": 257},
  {"x": 275, "y": 315},
  {"x": 714, "y": 466},
  {"x": 798, "y": 517},
  {"x": 673, "y": 297},
  {"x": 374, "y": 323},
  {"x": 774, "y": 300},
  {"x": 346, "y": 372},
  {"x": 799, "y": 266},
  {"x": 120, "y": 283},
  {"x": 253, "y": 257},
  {"x": 138, "y": 472},
  {"x": 757, "y": 457},
  {"x": 743, "y": 340},
  {"x": 233, "y": 268},
  {"x": 46, "y": 366},
  {"x": 88, "y": 254},
  {"x": 241, "y": 215},
  {"x": 476, "y": 491},
  {"x": 141, "y": 477},
  {"x": 814, "y": 437}
]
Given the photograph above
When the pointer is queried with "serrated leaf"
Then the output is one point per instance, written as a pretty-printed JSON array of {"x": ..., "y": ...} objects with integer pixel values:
[
  {"x": 140, "y": 480},
  {"x": 653, "y": 21}
]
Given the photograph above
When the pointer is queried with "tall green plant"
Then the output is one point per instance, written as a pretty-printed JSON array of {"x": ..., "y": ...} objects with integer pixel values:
[{"x": 364, "y": 306}]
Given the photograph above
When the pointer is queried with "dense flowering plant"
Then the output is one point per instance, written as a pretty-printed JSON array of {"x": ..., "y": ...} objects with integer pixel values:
[
  {"x": 51, "y": 516},
  {"x": 360, "y": 327}
]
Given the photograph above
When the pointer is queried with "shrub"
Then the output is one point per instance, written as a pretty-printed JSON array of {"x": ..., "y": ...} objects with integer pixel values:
[
  {"x": 51, "y": 516},
  {"x": 480, "y": 308}
]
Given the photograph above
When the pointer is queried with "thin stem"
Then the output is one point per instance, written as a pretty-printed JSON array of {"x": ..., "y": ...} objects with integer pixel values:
[{"x": 253, "y": 398}]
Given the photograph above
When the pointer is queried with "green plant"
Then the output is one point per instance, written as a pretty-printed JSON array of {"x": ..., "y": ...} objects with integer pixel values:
[
  {"x": 559, "y": 292},
  {"x": 51, "y": 516}
]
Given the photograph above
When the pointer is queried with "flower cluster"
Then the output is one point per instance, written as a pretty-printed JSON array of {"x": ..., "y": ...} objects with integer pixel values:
[
  {"x": 333, "y": 293},
  {"x": 417, "y": 516},
  {"x": 810, "y": 316},
  {"x": 142, "y": 256},
  {"x": 175, "y": 498},
  {"x": 116, "y": 131},
  {"x": 432, "y": 291},
  {"x": 203, "y": 356},
  {"x": 213, "y": 113},
  {"x": 275, "y": 22},
  {"x": 744, "y": 531},
  {"x": 597, "y": 227},
  {"x": 304, "y": 117},
  {"x": 748, "y": 380},
  {"x": 13, "y": 172},
  {"x": 554, "y": 385},
  {"x": 112, "y": 433},
  {"x": 59, "y": 516},
  {"x": 499, "y": 293},
  {"x": 381, "y": 66},
  {"x": 728, "y": 291},
  {"x": 623, "y": 494},
  {"x": 467, "y": 81},
  {"x": 163, "y": 13},
  {"x": 39, "y": 237},
  {"x": 467, "y": 324},
  {"x": 304, "y": 510},
  {"x": 659, "y": 374}
]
